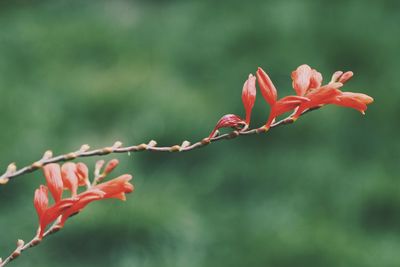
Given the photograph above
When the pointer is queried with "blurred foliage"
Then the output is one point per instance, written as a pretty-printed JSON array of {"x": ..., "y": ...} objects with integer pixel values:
[{"x": 322, "y": 192}]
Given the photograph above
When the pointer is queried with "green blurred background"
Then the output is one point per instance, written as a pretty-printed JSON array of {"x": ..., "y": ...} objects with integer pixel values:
[{"x": 321, "y": 192}]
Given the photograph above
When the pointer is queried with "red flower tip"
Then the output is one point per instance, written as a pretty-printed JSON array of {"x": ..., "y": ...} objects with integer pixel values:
[
  {"x": 357, "y": 101},
  {"x": 304, "y": 78},
  {"x": 229, "y": 120},
  {"x": 346, "y": 76},
  {"x": 52, "y": 173},
  {"x": 117, "y": 187},
  {"x": 70, "y": 177},
  {"x": 82, "y": 172},
  {"x": 249, "y": 96},
  {"x": 41, "y": 200},
  {"x": 267, "y": 88},
  {"x": 111, "y": 165}
]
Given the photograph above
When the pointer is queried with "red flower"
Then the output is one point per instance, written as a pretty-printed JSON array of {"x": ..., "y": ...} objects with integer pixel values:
[
  {"x": 357, "y": 101},
  {"x": 74, "y": 175},
  {"x": 304, "y": 78},
  {"x": 41, "y": 200},
  {"x": 52, "y": 173},
  {"x": 69, "y": 177},
  {"x": 229, "y": 120},
  {"x": 249, "y": 96},
  {"x": 278, "y": 107},
  {"x": 307, "y": 82},
  {"x": 267, "y": 88}
]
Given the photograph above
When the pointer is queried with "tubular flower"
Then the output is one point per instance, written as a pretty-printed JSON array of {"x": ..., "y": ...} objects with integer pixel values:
[
  {"x": 278, "y": 107},
  {"x": 41, "y": 200},
  {"x": 75, "y": 175},
  {"x": 267, "y": 88},
  {"x": 116, "y": 188},
  {"x": 249, "y": 96},
  {"x": 229, "y": 120},
  {"x": 307, "y": 82},
  {"x": 52, "y": 173}
]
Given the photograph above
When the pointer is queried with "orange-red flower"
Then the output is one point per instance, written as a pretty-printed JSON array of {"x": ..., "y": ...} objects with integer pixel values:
[
  {"x": 74, "y": 175},
  {"x": 249, "y": 96},
  {"x": 278, "y": 107},
  {"x": 307, "y": 82},
  {"x": 52, "y": 173},
  {"x": 267, "y": 88}
]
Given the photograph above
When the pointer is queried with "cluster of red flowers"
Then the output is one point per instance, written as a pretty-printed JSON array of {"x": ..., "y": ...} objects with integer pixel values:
[
  {"x": 310, "y": 94},
  {"x": 71, "y": 176}
]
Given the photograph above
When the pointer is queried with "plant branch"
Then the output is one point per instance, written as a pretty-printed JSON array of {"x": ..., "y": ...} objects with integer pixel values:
[
  {"x": 12, "y": 171},
  {"x": 21, "y": 246}
]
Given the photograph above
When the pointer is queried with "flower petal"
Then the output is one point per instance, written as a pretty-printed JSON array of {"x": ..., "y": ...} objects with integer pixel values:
[
  {"x": 267, "y": 88},
  {"x": 69, "y": 177},
  {"x": 249, "y": 96},
  {"x": 52, "y": 173},
  {"x": 83, "y": 174},
  {"x": 318, "y": 97},
  {"x": 41, "y": 200},
  {"x": 353, "y": 100},
  {"x": 301, "y": 79},
  {"x": 116, "y": 186}
]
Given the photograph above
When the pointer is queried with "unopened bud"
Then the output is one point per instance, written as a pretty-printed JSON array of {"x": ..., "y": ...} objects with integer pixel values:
[
  {"x": 111, "y": 165},
  {"x": 346, "y": 76},
  {"x": 84, "y": 148}
]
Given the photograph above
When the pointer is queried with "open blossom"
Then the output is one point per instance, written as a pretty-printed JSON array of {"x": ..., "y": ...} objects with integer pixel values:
[
  {"x": 269, "y": 92},
  {"x": 307, "y": 82},
  {"x": 71, "y": 176}
]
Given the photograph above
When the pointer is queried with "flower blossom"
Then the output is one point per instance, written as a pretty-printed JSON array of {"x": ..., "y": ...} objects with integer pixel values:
[{"x": 70, "y": 176}]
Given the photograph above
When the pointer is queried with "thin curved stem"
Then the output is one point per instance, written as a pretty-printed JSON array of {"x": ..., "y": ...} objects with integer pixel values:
[
  {"x": 21, "y": 246},
  {"x": 12, "y": 172}
]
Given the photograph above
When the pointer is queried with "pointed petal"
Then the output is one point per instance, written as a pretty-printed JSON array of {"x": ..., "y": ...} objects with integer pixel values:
[
  {"x": 267, "y": 88},
  {"x": 366, "y": 99},
  {"x": 52, "y": 173},
  {"x": 315, "y": 80},
  {"x": 249, "y": 96},
  {"x": 301, "y": 79},
  {"x": 41, "y": 200},
  {"x": 69, "y": 177},
  {"x": 82, "y": 173}
]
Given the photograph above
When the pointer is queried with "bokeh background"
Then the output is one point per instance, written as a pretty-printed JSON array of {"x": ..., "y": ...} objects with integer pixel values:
[{"x": 322, "y": 192}]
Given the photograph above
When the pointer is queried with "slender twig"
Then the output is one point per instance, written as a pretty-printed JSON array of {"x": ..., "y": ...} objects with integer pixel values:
[
  {"x": 12, "y": 172},
  {"x": 21, "y": 246}
]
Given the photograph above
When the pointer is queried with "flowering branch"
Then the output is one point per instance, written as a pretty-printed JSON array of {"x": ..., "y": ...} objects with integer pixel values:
[{"x": 310, "y": 95}]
